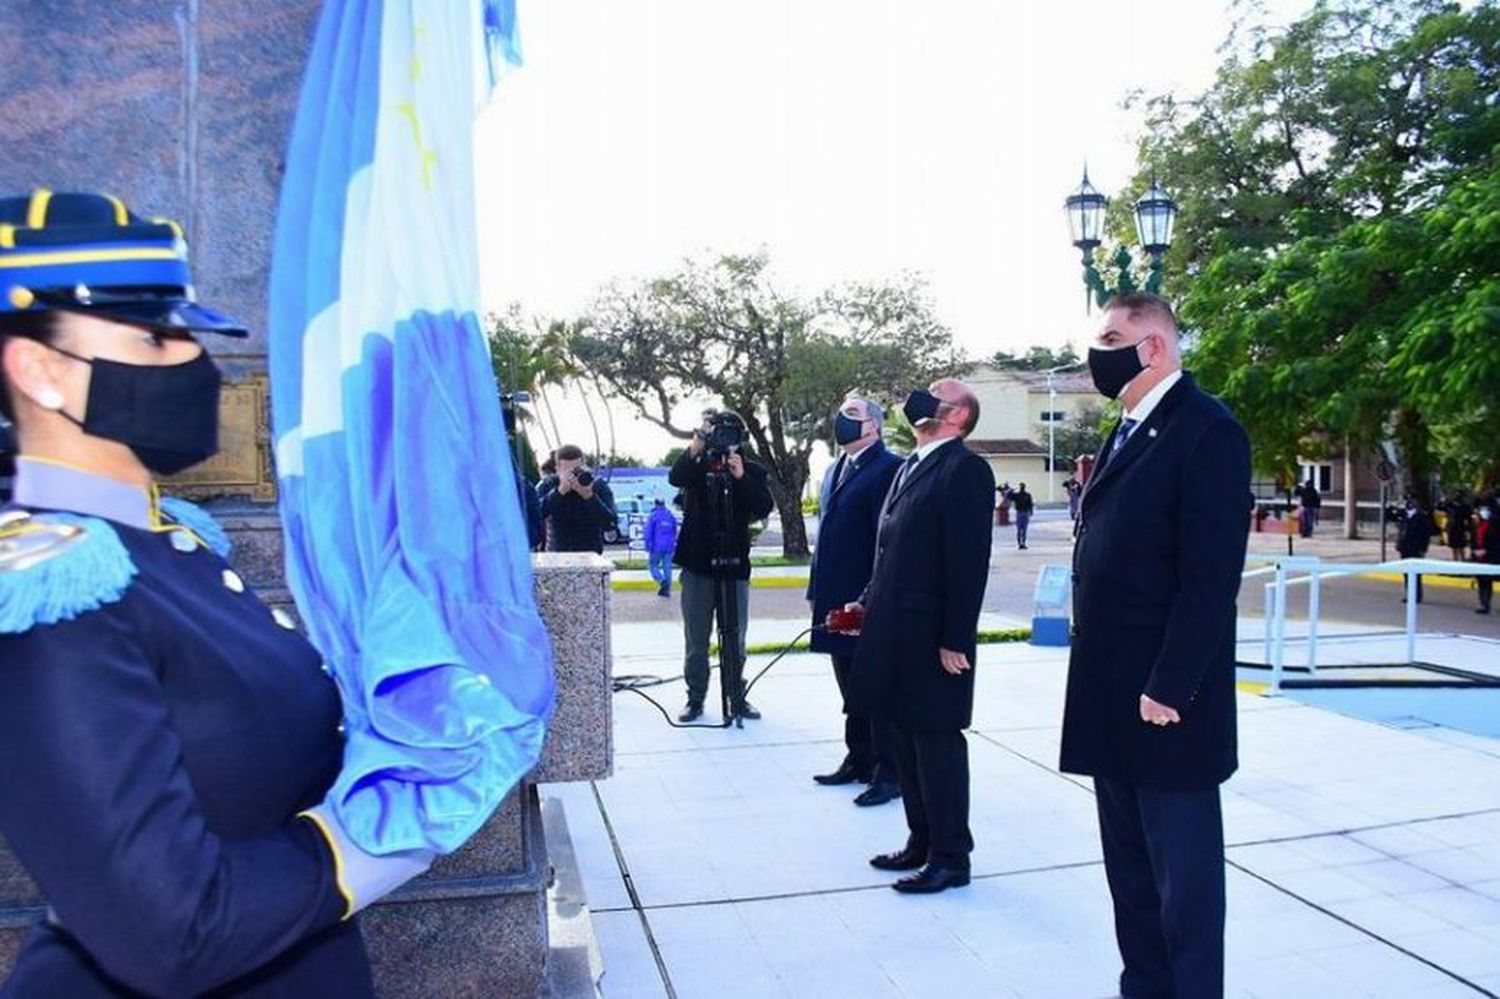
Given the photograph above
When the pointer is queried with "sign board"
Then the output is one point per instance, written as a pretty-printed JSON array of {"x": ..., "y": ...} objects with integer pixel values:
[
  {"x": 1054, "y": 584},
  {"x": 243, "y": 465}
]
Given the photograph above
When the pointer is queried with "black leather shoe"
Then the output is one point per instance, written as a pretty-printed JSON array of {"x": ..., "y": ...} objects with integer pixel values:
[
  {"x": 932, "y": 879},
  {"x": 747, "y": 711},
  {"x": 692, "y": 712},
  {"x": 908, "y": 859},
  {"x": 847, "y": 773},
  {"x": 878, "y": 793}
]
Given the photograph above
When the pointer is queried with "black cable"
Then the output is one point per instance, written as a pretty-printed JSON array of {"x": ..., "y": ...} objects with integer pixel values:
[{"x": 635, "y": 683}]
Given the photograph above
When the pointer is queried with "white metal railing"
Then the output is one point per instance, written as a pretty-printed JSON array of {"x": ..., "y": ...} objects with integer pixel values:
[{"x": 1314, "y": 570}]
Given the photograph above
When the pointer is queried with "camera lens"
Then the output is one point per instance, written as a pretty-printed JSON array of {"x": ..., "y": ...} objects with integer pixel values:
[{"x": 583, "y": 477}]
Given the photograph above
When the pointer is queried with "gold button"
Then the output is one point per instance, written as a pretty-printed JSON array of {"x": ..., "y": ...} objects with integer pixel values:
[
  {"x": 282, "y": 618},
  {"x": 183, "y": 541},
  {"x": 233, "y": 582}
]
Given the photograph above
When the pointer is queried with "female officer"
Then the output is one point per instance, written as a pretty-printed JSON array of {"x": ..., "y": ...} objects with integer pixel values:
[{"x": 166, "y": 740}]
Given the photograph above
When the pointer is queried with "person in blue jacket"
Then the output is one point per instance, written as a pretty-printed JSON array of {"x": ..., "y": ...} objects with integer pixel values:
[
  {"x": 661, "y": 540},
  {"x": 166, "y": 739},
  {"x": 849, "y": 507}
]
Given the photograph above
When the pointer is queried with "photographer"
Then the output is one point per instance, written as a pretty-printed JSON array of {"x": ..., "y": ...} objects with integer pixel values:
[
  {"x": 576, "y": 506},
  {"x": 715, "y": 450}
]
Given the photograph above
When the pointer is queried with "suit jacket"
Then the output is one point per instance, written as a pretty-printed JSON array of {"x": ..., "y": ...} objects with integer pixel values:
[
  {"x": 850, "y": 514},
  {"x": 931, "y": 565},
  {"x": 1161, "y": 537}
]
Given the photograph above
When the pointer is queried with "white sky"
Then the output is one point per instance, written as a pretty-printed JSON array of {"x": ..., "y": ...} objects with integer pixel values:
[{"x": 850, "y": 138}]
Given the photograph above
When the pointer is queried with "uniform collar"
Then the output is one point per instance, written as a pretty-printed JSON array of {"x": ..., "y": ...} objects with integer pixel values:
[{"x": 53, "y": 485}]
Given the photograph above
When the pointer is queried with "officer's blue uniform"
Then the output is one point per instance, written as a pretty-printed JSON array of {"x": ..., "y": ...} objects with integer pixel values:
[
  {"x": 166, "y": 740},
  {"x": 155, "y": 751}
]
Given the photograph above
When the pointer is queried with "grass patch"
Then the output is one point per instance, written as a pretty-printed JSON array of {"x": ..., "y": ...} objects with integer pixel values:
[
  {"x": 999, "y": 637},
  {"x": 761, "y": 583},
  {"x": 765, "y": 561}
]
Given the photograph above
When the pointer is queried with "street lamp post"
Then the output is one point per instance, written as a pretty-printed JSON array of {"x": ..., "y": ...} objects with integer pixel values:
[{"x": 1155, "y": 218}]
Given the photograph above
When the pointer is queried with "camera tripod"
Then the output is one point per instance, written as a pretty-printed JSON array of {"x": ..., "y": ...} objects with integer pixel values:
[{"x": 725, "y": 565}]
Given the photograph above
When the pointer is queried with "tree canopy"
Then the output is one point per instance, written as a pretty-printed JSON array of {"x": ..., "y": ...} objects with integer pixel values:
[
  {"x": 1036, "y": 358},
  {"x": 1337, "y": 256},
  {"x": 721, "y": 327}
]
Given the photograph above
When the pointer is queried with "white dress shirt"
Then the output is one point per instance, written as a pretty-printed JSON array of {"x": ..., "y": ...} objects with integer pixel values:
[{"x": 1144, "y": 408}]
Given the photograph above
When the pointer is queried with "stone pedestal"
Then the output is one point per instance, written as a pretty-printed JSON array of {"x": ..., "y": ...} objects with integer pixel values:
[{"x": 476, "y": 924}]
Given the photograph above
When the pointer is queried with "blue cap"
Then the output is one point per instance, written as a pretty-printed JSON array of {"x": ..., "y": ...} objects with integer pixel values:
[{"x": 88, "y": 253}]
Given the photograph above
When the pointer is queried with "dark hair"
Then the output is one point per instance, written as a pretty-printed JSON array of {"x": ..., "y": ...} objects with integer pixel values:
[
  {"x": 1139, "y": 303},
  {"x": 568, "y": 452},
  {"x": 42, "y": 326}
]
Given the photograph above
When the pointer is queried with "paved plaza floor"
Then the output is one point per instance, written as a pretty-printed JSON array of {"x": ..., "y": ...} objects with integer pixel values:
[{"x": 1364, "y": 857}]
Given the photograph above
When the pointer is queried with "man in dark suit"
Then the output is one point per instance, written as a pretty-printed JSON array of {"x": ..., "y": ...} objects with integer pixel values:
[
  {"x": 914, "y": 665},
  {"x": 1150, "y": 711},
  {"x": 849, "y": 514}
]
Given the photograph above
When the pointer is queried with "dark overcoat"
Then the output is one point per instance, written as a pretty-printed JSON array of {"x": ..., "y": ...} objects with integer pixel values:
[
  {"x": 848, "y": 517},
  {"x": 1161, "y": 537},
  {"x": 932, "y": 562}
]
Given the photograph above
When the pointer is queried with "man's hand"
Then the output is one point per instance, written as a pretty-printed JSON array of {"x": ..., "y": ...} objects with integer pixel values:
[
  {"x": 564, "y": 482},
  {"x": 736, "y": 464},
  {"x": 954, "y": 663},
  {"x": 1158, "y": 714},
  {"x": 695, "y": 445}
]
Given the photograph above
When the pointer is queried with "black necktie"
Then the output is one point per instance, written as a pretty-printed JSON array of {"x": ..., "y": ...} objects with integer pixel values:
[
  {"x": 848, "y": 466},
  {"x": 906, "y": 467},
  {"x": 1127, "y": 427}
]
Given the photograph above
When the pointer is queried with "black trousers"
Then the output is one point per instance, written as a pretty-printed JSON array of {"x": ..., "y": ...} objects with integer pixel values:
[
  {"x": 1164, "y": 857},
  {"x": 866, "y": 739},
  {"x": 1486, "y": 590},
  {"x": 934, "y": 771}
]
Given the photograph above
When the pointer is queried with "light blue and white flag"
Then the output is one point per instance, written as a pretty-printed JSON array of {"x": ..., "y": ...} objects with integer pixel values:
[{"x": 406, "y": 549}]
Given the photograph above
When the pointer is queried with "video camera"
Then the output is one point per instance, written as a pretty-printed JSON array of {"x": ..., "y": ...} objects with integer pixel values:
[{"x": 725, "y": 434}]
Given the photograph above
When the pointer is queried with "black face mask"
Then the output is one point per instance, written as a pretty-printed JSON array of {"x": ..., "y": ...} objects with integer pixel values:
[
  {"x": 847, "y": 430},
  {"x": 167, "y": 415},
  {"x": 920, "y": 405},
  {"x": 1114, "y": 369}
]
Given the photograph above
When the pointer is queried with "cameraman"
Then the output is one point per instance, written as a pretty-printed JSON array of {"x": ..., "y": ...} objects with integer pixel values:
[
  {"x": 715, "y": 447},
  {"x": 576, "y": 505}
]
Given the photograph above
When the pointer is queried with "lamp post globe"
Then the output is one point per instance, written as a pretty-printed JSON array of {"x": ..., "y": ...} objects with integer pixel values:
[
  {"x": 1085, "y": 208},
  {"x": 1155, "y": 218}
]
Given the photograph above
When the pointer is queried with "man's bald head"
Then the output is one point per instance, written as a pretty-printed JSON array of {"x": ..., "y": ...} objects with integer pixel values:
[{"x": 958, "y": 395}]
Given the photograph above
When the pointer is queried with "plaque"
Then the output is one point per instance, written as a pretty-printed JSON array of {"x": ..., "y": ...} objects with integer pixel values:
[{"x": 243, "y": 465}]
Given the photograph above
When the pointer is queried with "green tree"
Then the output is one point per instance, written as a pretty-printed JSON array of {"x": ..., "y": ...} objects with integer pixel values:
[
  {"x": 670, "y": 458},
  {"x": 1335, "y": 254},
  {"x": 1082, "y": 434},
  {"x": 1037, "y": 358},
  {"x": 722, "y": 328}
]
